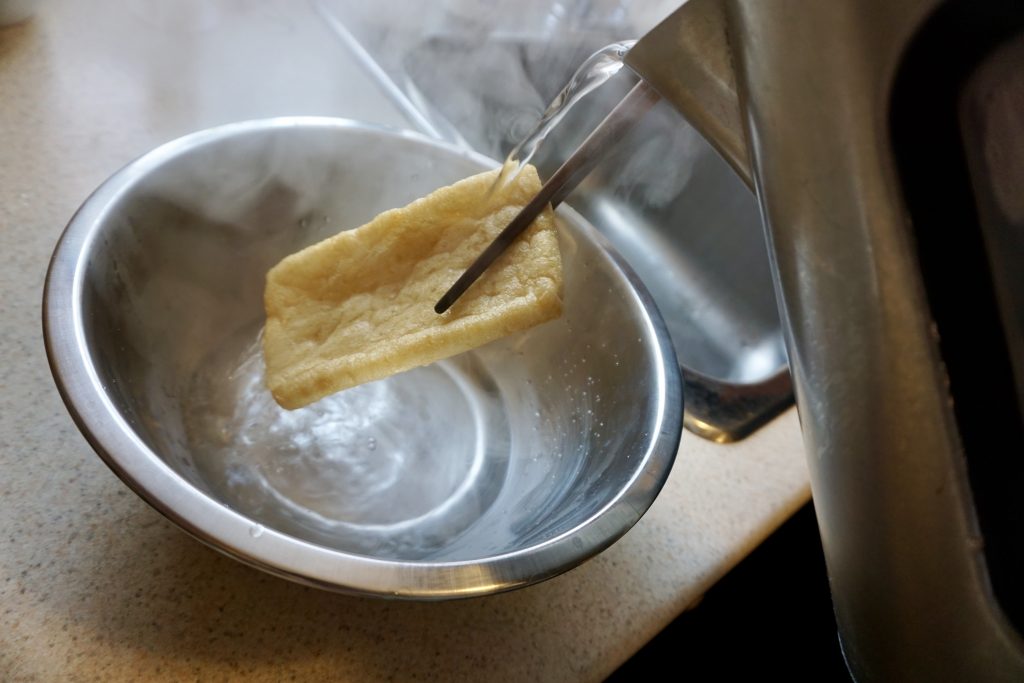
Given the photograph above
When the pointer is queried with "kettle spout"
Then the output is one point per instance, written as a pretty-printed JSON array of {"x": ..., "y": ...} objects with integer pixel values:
[{"x": 687, "y": 59}]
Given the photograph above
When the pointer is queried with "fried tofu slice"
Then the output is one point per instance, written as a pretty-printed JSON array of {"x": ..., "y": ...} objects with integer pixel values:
[{"x": 359, "y": 306}]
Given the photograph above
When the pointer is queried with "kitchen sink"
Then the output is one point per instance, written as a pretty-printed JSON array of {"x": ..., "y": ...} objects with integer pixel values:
[{"x": 480, "y": 77}]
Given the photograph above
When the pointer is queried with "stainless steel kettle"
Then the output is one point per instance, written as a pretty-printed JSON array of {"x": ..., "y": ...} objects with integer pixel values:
[{"x": 885, "y": 142}]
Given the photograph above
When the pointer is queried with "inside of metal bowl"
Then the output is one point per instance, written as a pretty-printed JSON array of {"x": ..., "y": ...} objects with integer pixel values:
[{"x": 492, "y": 452}]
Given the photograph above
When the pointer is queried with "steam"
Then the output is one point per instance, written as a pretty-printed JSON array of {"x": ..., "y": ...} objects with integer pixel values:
[{"x": 484, "y": 74}]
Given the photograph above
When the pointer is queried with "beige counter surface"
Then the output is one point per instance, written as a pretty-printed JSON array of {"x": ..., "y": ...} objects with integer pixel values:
[{"x": 94, "y": 584}]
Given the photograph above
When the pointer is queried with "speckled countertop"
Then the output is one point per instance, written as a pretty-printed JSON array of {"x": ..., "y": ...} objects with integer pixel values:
[{"x": 95, "y": 585}]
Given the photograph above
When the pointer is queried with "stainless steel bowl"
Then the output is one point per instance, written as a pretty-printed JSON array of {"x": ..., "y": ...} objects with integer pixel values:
[{"x": 491, "y": 470}]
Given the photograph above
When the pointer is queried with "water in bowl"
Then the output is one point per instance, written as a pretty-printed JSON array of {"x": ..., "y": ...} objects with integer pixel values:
[{"x": 393, "y": 468}]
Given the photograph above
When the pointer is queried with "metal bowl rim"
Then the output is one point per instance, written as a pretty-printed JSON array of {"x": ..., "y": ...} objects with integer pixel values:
[{"x": 229, "y": 532}]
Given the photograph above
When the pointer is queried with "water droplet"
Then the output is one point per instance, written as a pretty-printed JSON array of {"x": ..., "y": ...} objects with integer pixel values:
[
  {"x": 256, "y": 530},
  {"x": 371, "y": 443}
]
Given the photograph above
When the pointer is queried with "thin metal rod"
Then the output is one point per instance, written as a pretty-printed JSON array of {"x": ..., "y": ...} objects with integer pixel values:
[{"x": 627, "y": 112}]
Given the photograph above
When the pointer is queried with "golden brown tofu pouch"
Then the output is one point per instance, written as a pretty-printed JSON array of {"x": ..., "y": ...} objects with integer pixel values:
[{"x": 359, "y": 306}]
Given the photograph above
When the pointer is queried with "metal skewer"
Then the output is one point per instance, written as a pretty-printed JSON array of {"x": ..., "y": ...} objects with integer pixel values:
[{"x": 579, "y": 164}]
